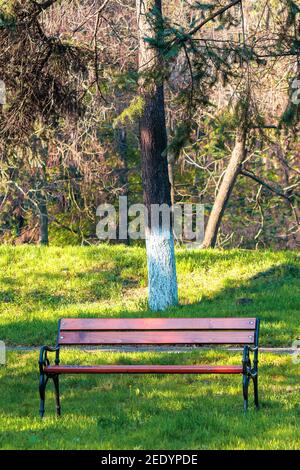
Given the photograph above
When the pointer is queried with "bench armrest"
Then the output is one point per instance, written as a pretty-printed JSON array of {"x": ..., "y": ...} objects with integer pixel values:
[{"x": 43, "y": 359}]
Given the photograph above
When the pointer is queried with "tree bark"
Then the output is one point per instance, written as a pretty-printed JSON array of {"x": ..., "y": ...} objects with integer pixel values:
[
  {"x": 123, "y": 179},
  {"x": 171, "y": 163},
  {"x": 44, "y": 220},
  {"x": 162, "y": 281},
  {"x": 232, "y": 171}
]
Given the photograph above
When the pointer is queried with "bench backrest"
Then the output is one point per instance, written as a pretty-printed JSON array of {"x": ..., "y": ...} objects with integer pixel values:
[{"x": 160, "y": 331}]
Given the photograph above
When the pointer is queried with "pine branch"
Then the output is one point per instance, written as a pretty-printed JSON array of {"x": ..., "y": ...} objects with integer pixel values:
[{"x": 212, "y": 17}]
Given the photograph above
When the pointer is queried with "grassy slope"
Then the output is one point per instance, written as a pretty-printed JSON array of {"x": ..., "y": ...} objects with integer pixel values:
[
  {"x": 37, "y": 286},
  {"x": 150, "y": 412},
  {"x": 40, "y": 285}
]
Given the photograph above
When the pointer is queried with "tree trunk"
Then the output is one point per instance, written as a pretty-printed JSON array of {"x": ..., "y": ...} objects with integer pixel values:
[
  {"x": 122, "y": 146},
  {"x": 123, "y": 179},
  {"x": 162, "y": 281},
  {"x": 44, "y": 220},
  {"x": 227, "y": 184},
  {"x": 171, "y": 163},
  {"x": 20, "y": 222}
]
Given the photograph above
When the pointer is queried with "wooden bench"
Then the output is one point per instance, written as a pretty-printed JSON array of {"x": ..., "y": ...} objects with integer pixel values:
[{"x": 152, "y": 331}]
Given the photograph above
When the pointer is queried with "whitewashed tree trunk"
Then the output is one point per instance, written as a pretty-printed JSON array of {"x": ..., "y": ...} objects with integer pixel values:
[{"x": 163, "y": 292}]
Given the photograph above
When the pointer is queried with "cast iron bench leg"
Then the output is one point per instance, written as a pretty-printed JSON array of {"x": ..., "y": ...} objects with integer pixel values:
[
  {"x": 57, "y": 398},
  {"x": 42, "y": 389},
  {"x": 246, "y": 380},
  {"x": 255, "y": 384}
]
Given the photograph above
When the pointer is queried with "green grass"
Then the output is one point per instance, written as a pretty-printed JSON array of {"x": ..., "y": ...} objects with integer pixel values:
[
  {"x": 150, "y": 412},
  {"x": 40, "y": 285}
]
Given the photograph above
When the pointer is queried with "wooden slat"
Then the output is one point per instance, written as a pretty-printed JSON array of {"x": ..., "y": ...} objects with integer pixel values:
[
  {"x": 156, "y": 337},
  {"x": 144, "y": 369},
  {"x": 80, "y": 324}
]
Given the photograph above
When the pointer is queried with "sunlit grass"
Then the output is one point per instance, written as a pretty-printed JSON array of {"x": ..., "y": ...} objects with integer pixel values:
[
  {"x": 40, "y": 285},
  {"x": 150, "y": 411}
]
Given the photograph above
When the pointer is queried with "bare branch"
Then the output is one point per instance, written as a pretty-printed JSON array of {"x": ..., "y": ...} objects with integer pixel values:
[
  {"x": 43, "y": 6},
  {"x": 263, "y": 183}
]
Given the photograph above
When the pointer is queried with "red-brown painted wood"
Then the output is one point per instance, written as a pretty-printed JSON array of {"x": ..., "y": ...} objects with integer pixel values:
[
  {"x": 156, "y": 337},
  {"x": 144, "y": 369},
  {"x": 158, "y": 324}
]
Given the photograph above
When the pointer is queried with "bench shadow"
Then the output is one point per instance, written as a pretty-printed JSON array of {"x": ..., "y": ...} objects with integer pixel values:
[{"x": 130, "y": 404}]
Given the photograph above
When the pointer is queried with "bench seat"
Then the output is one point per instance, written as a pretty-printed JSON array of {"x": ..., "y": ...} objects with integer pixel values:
[{"x": 144, "y": 369}]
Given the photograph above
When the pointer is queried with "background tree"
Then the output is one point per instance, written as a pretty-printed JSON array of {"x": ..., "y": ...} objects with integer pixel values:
[
  {"x": 62, "y": 130},
  {"x": 153, "y": 135}
]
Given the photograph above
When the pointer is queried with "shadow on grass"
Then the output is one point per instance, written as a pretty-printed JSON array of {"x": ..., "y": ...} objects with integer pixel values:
[
  {"x": 153, "y": 411},
  {"x": 105, "y": 286},
  {"x": 270, "y": 295}
]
